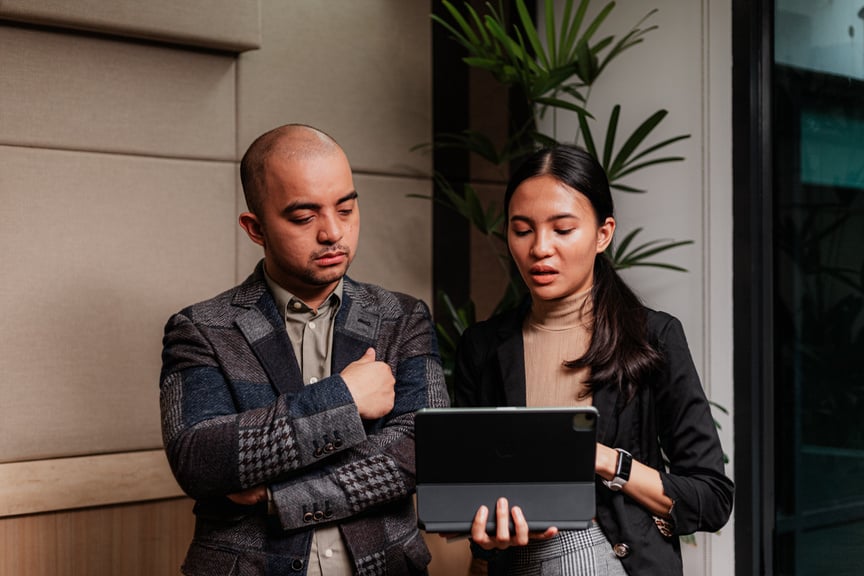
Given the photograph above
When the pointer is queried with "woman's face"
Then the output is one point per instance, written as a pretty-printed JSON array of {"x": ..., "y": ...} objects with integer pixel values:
[{"x": 554, "y": 237}]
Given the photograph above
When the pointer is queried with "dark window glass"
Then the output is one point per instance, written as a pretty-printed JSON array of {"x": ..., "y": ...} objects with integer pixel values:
[{"x": 818, "y": 236}]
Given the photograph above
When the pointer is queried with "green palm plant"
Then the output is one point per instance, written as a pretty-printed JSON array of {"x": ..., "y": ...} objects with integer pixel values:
[
  {"x": 557, "y": 76},
  {"x": 553, "y": 70}
]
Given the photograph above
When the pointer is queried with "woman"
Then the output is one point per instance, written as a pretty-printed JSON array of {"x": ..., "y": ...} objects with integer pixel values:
[{"x": 584, "y": 338}]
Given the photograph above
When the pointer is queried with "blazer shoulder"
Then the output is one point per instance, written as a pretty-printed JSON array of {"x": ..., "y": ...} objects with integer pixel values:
[
  {"x": 386, "y": 302},
  {"x": 498, "y": 328},
  {"x": 224, "y": 307},
  {"x": 666, "y": 331},
  {"x": 659, "y": 322}
]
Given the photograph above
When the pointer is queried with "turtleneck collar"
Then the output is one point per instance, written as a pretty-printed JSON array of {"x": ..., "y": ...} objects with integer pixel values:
[{"x": 566, "y": 313}]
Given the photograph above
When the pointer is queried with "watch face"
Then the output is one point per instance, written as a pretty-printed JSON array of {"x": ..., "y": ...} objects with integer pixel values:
[
  {"x": 622, "y": 471},
  {"x": 625, "y": 462}
]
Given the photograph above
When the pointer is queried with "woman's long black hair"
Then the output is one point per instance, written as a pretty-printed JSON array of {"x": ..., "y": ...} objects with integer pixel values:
[{"x": 619, "y": 352}]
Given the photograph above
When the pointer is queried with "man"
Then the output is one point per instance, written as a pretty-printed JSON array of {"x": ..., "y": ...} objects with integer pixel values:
[{"x": 288, "y": 401}]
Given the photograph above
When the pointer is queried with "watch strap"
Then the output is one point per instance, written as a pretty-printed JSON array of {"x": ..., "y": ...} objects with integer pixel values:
[{"x": 622, "y": 471}]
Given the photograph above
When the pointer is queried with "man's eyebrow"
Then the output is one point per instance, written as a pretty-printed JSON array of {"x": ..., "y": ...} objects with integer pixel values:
[
  {"x": 314, "y": 206},
  {"x": 350, "y": 196},
  {"x": 302, "y": 206}
]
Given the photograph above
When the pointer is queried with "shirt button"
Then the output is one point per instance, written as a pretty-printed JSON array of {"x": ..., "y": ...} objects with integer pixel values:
[
  {"x": 328, "y": 553},
  {"x": 313, "y": 379},
  {"x": 312, "y": 325},
  {"x": 621, "y": 550},
  {"x": 297, "y": 305}
]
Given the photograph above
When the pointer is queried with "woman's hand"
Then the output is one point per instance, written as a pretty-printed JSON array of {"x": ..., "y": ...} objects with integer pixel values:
[{"x": 502, "y": 538}]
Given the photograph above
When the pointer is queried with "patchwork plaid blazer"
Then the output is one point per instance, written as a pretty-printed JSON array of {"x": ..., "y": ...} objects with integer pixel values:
[{"x": 235, "y": 415}]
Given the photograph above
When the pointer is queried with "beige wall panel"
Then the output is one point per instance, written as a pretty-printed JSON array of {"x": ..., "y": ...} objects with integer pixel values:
[
  {"x": 221, "y": 24},
  {"x": 98, "y": 250},
  {"x": 86, "y": 93},
  {"x": 359, "y": 70},
  {"x": 395, "y": 236}
]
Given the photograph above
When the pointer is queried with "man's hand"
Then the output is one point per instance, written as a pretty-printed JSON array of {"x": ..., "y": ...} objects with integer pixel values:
[
  {"x": 250, "y": 496},
  {"x": 371, "y": 383}
]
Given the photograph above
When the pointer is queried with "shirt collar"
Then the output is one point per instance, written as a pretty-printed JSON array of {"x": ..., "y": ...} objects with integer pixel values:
[{"x": 288, "y": 304}]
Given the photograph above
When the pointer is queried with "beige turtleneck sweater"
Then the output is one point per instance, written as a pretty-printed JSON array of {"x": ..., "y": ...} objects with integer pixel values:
[{"x": 554, "y": 332}]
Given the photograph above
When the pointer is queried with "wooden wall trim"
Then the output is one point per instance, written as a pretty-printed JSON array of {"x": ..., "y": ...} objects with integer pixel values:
[{"x": 65, "y": 483}]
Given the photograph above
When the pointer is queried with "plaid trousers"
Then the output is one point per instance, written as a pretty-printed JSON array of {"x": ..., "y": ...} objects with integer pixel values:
[{"x": 571, "y": 553}]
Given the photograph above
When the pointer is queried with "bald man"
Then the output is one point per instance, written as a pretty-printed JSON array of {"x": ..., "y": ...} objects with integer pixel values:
[{"x": 288, "y": 401}]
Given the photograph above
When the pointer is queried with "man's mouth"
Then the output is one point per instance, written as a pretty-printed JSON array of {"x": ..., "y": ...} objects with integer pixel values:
[{"x": 331, "y": 258}]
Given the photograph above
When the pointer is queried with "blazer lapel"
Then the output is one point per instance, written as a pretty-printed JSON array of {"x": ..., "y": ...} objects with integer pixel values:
[
  {"x": 355, "y": 329},
  {"x": 604, "y": 401},
  {"x": 264, "y": 329},
  {"x": 511, "y": 360}
]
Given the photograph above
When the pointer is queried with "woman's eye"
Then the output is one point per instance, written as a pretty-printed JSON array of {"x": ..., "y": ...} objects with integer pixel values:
[
  {"x": 563, "y": 231},
  {"x": 520, "y": 233}
]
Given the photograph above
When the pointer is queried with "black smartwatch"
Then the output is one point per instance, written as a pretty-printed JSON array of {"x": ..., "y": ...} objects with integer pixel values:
[{"x": 622, "y": 471}]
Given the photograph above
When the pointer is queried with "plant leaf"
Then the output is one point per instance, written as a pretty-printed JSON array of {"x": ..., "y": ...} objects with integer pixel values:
[
  {"x": 465, "y": 35},
  {"x": 632, "y": 38},
  {"x": 625, "y": 188},
  {"x": 623, "y": 256},
  {"x": 558, "y": 103},
  {"x": 611, "y": 129},
  {"x": 635, "y": 139},
  {"x": 598, "y": 20},
  {"x": 659, "y": 145},
  {"x": 642, "y": 165},
  {"x": 527, "y": 21},
  {"x": 585, "y": 129},
  {"x": 549, "y": 24},
  {"x": 569, "y": 37}
]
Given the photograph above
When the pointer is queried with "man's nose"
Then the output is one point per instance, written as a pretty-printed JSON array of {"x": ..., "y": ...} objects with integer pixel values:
[{"x": 330, "y": 231}]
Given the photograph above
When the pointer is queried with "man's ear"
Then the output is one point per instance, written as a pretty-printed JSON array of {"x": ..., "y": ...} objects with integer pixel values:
[
  {"x": 605, "y": 233},
  {"x": 250, "y": 223}
]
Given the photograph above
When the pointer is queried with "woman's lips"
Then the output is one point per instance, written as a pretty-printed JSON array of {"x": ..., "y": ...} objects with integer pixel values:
[{"x": 543, "y": 274}]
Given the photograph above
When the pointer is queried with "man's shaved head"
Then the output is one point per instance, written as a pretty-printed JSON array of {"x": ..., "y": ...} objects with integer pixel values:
[{"x": 291, "y": 141}]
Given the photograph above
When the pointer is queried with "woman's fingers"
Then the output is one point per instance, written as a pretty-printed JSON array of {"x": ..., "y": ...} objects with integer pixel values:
[
  {"x": 550, "y": 532},
  {"x": 502, "y": 537},
  {"x": 478, "y": 529},
  {"x": 521, "y": 527},
  {"x": 502, "y": 523}
]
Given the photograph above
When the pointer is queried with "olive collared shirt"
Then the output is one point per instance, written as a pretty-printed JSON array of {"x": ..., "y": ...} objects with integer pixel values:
[{"x": 311, "y": 335}]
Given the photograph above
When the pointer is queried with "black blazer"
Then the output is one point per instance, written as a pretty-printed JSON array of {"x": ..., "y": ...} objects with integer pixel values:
[{"x": 670, "y": 412}]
